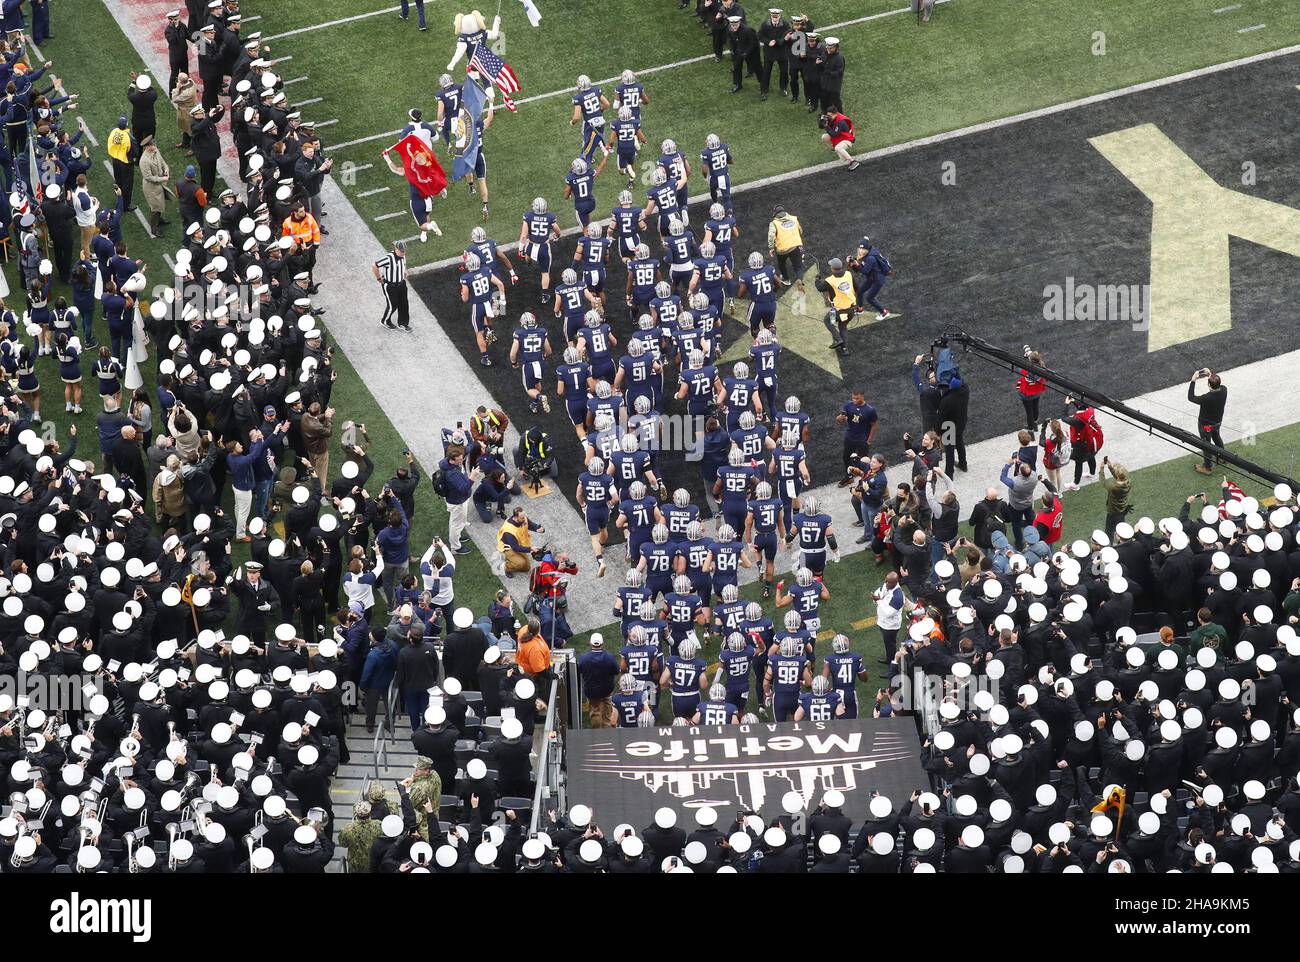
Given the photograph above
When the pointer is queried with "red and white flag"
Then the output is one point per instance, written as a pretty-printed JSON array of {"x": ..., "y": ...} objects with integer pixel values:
[{"x": 420, "y": 166}]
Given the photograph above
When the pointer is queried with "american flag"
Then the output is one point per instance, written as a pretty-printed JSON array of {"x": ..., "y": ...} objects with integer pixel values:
[{"x": 490, "y": 65}]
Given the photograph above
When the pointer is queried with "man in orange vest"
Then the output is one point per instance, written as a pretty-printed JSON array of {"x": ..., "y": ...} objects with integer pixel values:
[{"x": 305, "y": 232}]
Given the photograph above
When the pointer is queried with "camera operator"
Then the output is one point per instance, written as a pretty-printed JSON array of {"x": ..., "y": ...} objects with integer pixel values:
[
  {"x": 487, "y": 428},
  {"x": 535, "y": 456}
]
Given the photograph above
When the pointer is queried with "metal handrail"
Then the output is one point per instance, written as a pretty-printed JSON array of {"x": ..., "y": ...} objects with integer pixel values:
[
  {"x": 541, "y": 771},
  {"x": 388, "y": 710},
  {"x": 380, "y": 749}
]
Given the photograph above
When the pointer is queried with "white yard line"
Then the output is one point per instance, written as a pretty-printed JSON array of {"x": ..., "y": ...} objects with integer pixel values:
[
  {"x": 333, "y": 23},
  {"x": 568, "y": 91},
  {"x": 399, "y": 213},
  {"x": 371, "y": 193},
  {"x": 1258, "y": 26},
  {"x": 303, "y": 103},
  {"x": 281, "y": 60},
  {"x": 1235, "y": 6},
  {"x": 953, "y": 135},
  {"x": 296, "y": 80},
  {"x": 326, "y": 123}
]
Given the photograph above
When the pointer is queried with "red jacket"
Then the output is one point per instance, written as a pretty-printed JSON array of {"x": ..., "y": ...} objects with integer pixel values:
[
  {"x": 1030, "y": 386},
  {"x": 1049, "y": 520}
]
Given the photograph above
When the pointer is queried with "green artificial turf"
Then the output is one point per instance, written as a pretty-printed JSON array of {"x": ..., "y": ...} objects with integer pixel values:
[{"x": 976, "y": 61}]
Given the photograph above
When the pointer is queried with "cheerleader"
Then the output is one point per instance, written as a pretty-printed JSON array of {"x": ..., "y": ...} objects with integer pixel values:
[
  {"x": 108, "y": 370},
  {"x": 67, "y": 350},
  {"x": 38, "y": 312},
  {"x": 29, "y": 388},
  {"x": 9, "y": 358},
  {"x": 83, "y": 298},
  {"x": 64, "y": 320}
]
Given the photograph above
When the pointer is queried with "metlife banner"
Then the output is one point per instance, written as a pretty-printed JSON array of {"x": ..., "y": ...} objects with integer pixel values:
[{"x": 626, "y": 774}]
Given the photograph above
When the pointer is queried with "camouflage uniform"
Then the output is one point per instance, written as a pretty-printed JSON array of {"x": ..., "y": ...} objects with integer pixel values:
[
  {"x": 381, "y": 803},
  {"x": 358, "y": 837},
  {"x": 426, "y": 787}
]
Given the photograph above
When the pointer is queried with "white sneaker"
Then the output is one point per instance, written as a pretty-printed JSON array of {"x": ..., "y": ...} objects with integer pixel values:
[
  {"x": 600, "y": 571},
  {"x": 1070, "y": 487},
  {"x": 433, "y": 226},
  {"x": 546, "y": 403},
  {"x": 67, "y": 406},
  {"x": 424, "y": 237},
  {"x": 76, "y": 409}
]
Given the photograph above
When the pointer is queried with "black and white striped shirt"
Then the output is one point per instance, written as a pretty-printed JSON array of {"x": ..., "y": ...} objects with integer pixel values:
[{"x": 392, "y": 269}]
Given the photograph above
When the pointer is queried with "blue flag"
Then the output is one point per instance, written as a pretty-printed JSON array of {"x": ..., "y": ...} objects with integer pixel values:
[{"x": 464, "y": 130}]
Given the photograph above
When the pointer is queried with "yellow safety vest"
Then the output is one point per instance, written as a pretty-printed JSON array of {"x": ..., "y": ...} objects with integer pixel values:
[
  {"x": 521, "y": 533},
  {"x": 842, "y": 290},
  {"x": 119, "y": 144},
  {"x": 788, "y": 235}
]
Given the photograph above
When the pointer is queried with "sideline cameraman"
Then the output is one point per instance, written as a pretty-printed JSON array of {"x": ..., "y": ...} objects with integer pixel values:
[
  {"x": 535, "y": 456},
  {"x": 515, "y": 542}
]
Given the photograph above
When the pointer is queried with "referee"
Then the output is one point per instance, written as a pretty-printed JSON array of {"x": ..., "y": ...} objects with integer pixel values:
[{"x": 390, "y": 271}]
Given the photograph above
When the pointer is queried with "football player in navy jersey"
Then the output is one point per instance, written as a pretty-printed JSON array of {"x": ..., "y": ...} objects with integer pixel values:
[
  {"x": 823, "y": 703},
  {"x": 764, "y": 526},
  {"x": 735, "y": 662},
  {"x": 729, "y": 611},
  {"x": 699, "y": 385},
  {"x": 790, "y": 469},
  {"x": 685, "y": 609},
  {"x": 735, "y": 480},
  {"x": 719, "y": 709},
  {"x": 661, "y": 199},
  {"x": 448, "y": 105},
  {"x": 603, "y": 405},
  {"x": 632, "y": 602},
  {"x": 766, "y": 353},
  {"x": 628, "y": 701},
  {"x": 595, "y": 495},
  {"x": 572, "y": 302},
  {"x": 626, "y": 137},
  {"x": 696, "y": 549},
  {"x": 793, "y": 627},
  {"x": 815, "y": 534},
  {"x": 591, "y": 255},
  {"x": 572, "y": 380},
  {"x": 787, "y": 673},
  {"x": 626, "y": 221},
  {"x": 759, "y": 282},
  {"x": 687, "y": 339},
  {"x": 602, "y": 439},
  {"x": 588, "y": 103},
  {"x": 720, "y": 230},
  {"x": 753, "y": 441},
  {"x": 678, "y": 514},
  {"x": 647, "y": 422},
  {"x": 844, "y": 669},
  {"x": 710, "y": 277},
  {"x": 759, "y": 632},
  {"x": 580, "y": 185},
  {"x": 593, "y": 142},
  {"x": 530, "y": 349},
  {"x": 636, "y": 516},
  {"x": 476, "y": 290},
  {"x": 648, "y": 334},
  {"x": 598, "y": 342},
  {"x": 684, "y": 676},
  {"x": 715, "y": 164},
  {"x": 674, "y": 163},
  {"x": 630, "y": 93},
  {"x": 709, "y": 323},
  {"x": 637, "y": 372},
  {"x": 641, "y": 657},
  {"x": 535, "y": 235},
  {"x": 629, "y": 464},
  {"x": 665, "y": 308},
  {"x": 806, "y": 595},
  {"x": 642, "y": 275},
  {"x": 739, "y": 394},
  {"x": 792, "y": 422},
  {"x": 489, "y": 255},
  {"x": 727, "y": 555},
  {"x": 656, "y": 560},
  {"x": 679, "y": 252}
]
